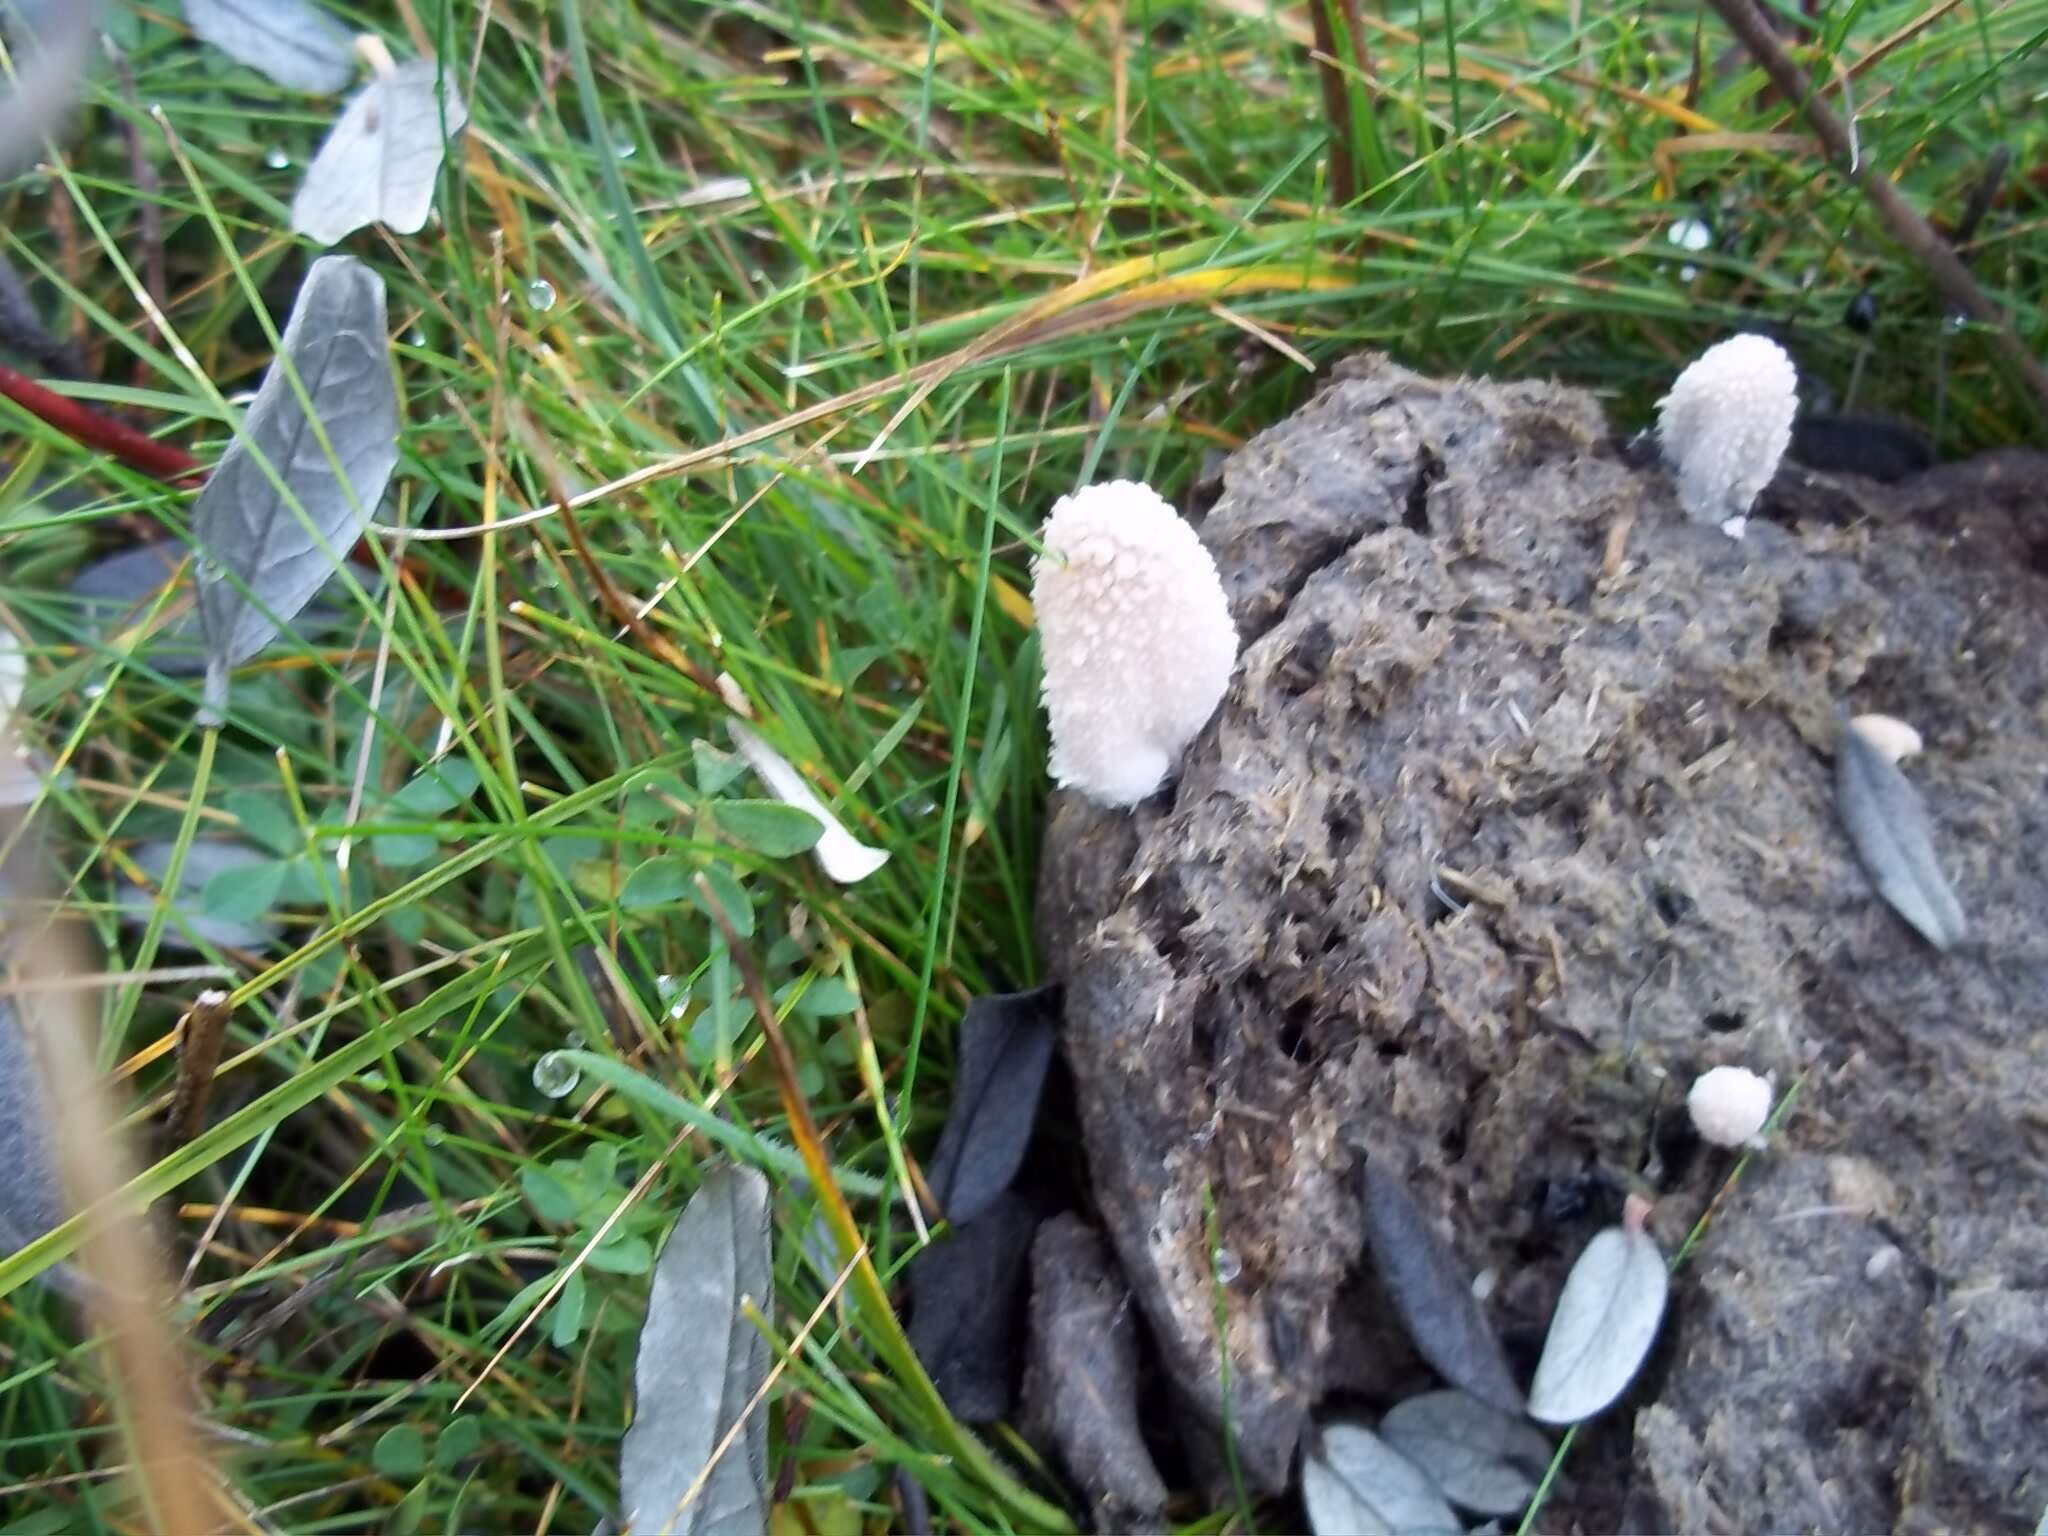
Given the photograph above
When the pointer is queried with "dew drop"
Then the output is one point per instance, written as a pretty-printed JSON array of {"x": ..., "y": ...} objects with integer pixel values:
[
  {"x": 623, "y": 147},
  {"x": 540, "y": 295},
  {"x": 1228, "y": 1265},
  {"x": 278, "y": 160},
  {"x": 433, "y": 1135},
  {"x": 555, "y": 1075},
  {"x": 416, "y": 337}
]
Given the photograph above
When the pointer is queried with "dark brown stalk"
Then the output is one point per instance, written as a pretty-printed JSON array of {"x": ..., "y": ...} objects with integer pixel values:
[
  {"x": 1336, "y": 105},
  {"x": 1921, "y": 240},
  {"x": 201, "y": 1033}
]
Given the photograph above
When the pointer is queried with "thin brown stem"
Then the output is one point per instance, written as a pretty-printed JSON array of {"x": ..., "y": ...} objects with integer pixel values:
[
  {"x": 1336, "y": 105},
  {"x": 1907, "y": 226}
]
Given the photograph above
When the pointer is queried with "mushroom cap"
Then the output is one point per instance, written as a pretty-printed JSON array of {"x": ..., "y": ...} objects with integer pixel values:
[
  {"x": 1726, "y": 424},
  {"x": 1136, "y": 636},
  {"x": 1729, "y": 1105}
]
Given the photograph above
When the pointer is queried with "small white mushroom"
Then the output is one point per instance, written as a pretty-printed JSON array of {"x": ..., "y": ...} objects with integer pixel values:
[
  {"x": 1136, "y": 635},
  {"x": 1729, "y": 1105},
  {"x": 1726, "y": 424},
  {"x": 1893, "y": 738}
]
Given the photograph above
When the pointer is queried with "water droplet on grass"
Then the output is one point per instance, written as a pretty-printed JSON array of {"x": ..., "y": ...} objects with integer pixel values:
[
  {"x": 555, "y": 1075},
  {"x": 278, "y": 160},
  {"x": 540, "y": 294},
  {"x": 1228, "y": 1265}
]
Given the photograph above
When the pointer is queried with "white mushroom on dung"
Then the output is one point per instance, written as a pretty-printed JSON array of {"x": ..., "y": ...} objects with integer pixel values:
[
  {"x": 1729, "y": 1105},
  {"x": 1726, "y": 424},
  {"x": 1136, "y": 635}
]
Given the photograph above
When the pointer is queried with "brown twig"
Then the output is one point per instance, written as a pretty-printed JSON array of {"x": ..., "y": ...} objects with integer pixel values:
[
  {"x": 1907, "y": 226},
  {"x": 614, "y": 600},
  {"x": 138, "y": 450},
  {"x": 201, "y": 1034},
  {"x": 1336, "y": 105}
]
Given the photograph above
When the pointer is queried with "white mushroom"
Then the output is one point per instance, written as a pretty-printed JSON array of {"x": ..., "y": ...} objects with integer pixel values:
[
  {"x": 1894, "y": 739},
  {"x": 1726, "y": 424},
  {"x": 1729, "y": 1105},
  {"x": 1136, "y": 636}
]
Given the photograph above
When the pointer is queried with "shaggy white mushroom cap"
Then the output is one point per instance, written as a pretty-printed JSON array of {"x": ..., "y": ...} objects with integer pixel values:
[
  {"x": 1725, "y": 425},
  {"x": 1729, "y": 1105},
  {"x": 1136, "y": 635}
]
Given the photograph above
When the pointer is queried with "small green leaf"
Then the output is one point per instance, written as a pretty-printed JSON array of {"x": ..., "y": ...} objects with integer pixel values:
[
  {"x": 715, "y": 769},
  {"x": 400, "y": 1453},
  {"x": 266, "y": 819},
  {"x": 566, "y": 1320},
  {"x": 433, "y": 791},
  {"x": 828, "y": 997},
  {"x": 404, "y": 850},
  {"x": 459, "y": 1440},
  {"x": 243, "y": 893},
  {"x": 657, "y": 883},
  {"x": 408, "y": 924},
  {"x": 624, "y": 1256},
  {"x": 601, "y": 1165},
  {"x": 769, "y": 826},
  {"x": 731, "y": 897},
  {"x": 554, "y": 1200}
]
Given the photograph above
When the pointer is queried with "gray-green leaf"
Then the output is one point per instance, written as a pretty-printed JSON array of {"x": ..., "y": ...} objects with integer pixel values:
[
  {"x": 267, "y": 546},
  {"x": 1354, "y": 1484},
  {"x": 1605, "y": 1322},
  {"x": 380, "y": 161},
  {"x": 204, "y": 860},
  {"x": 1483, "y": 1459},
  {"x": 768, "y": 826},
  {"x": 290, "y": 42},
  {"x": 701, "y": 1362},
  {"x": 31, "y": 1197},
  {"x": 1433, "y": 1293},
  {"x": 1888, "y": 826}
]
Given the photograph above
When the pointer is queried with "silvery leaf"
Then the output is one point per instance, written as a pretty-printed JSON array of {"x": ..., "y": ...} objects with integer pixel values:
[
  {"x": 701, "y": 1362},
  {"x": 1354, "y": 1484},
  {"x": 263, "y": 553},
  {"x": 291, "y": 42},
  {"x": 31, "y": 1196},
  {"x": 1888, "y": 826},
  {"x": 1483, "y": 1459},
  {"x": 839, "y": 853},
  {"x": 204, "y": 860},
  {"x": 1605, "y": 1322},
  {"x": 382, "y": 157},
  {"x": 1433, "y": 1293}
]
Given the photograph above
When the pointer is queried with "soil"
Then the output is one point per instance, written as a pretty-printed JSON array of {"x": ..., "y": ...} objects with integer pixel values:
[{"x": 1496, "y": 842}]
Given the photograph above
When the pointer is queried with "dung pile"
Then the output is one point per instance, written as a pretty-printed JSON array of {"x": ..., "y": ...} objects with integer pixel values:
[{"x": 1496, "y": 841}]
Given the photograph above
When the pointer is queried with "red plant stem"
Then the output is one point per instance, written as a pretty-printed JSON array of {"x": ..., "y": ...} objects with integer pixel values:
[{"x": 80, "y": 422}]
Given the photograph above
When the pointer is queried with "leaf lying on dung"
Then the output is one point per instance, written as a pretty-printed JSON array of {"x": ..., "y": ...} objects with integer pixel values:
[
  {"x": 1433, "y": 1293},
  {"x": 293, "y": 43},
  {"x": 1605, "y": 1322},
  {"x": 1483, "y": 1459},
  {"x": 701, "y": 1364},
  {"x": 1887, "y": 824},
  {"x": 1354, "y": 1484},
  {"x": 382, "y": 157},
  {"x": 1006, "y": 1044},
  {"x": 267, "y": 545}
]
